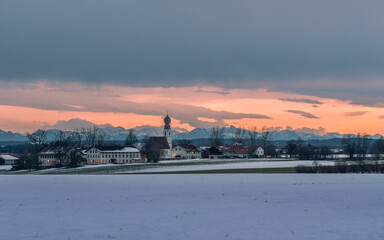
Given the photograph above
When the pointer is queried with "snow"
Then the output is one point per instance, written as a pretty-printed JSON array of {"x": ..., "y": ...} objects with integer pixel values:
[
  {"x": 232, "y": 165},
  {"x": 8, "y": 157},
  {"x": 214, "y": 206},
  {"x": 5, "y": 167}
]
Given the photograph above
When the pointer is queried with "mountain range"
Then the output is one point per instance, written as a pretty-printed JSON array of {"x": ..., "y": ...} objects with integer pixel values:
[{"x": 120, "y": 133}]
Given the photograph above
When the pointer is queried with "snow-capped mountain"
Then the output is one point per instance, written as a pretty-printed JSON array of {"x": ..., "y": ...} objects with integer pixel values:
[
  {"x": 10, "y": 136},
  {"x": 120, "y": 134}
]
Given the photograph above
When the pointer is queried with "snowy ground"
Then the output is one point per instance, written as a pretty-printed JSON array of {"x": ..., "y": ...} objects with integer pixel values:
[
  {"x": 5, "y": 167},
  {"x": 227, "y": 206},
  {"x": 232, "y": 165},
  {"x": 176, "y": 166}
]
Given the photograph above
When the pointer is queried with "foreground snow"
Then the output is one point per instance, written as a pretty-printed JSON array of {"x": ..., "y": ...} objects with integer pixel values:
[
  {"x": 233, "y": 165},
  {"x": 178, "y": 207}
]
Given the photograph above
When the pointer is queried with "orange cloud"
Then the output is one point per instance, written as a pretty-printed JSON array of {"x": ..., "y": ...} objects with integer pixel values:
[{"x": 30, "y": 106}]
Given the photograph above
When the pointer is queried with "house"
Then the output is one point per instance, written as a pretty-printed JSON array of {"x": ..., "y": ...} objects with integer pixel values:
[
  {"x": 255, "y": 151},
  {"x": 186, "y": 151},
  {"x": 240, "y": 151},
  {"x": 214, "y": 152},
  {"x": 52, "y": 156},
  {"x": 9, "y": 159},
  {"x": 112, "y": 154}
]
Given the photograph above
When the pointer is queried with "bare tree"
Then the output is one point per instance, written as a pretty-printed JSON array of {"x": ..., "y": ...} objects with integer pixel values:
[
  {"x": 378, "y": 147},
  {"x": 292, "y": 148},
  {"x": 239, "y": 135},
  {"x": 365, "y": 142},
  {"x": 63, "y": 138},
  {"x": 265, "y": 136},
  {"x": 94, "y": 136},
  {"x": 131, "y": 138},
  {"x": 37, "y": 141},
  {"x": 38, "y": 138},
  {"x": 62, "y": 144},
  {"x": 252, "y": 134},
  {"x": 78, "y": 138},
  {"x": 349, "y": 145},
  {"x": 217, "y": 135}
]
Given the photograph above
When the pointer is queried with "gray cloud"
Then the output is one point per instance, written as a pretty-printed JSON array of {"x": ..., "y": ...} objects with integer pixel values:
[
  {"x": 289, "y": 46},
  {"x": 318, "y": 131},
  {"x": 301, "y": 100},
  {"x": 302, "y": 113},
  {"x": 71, "y": 124},
  {"x": 214, "y": 92},
  {"x": 357, "y": 113}
]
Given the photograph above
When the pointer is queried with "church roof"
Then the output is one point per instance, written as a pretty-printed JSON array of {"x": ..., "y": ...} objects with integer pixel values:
[{"x": 158, "y": 143}]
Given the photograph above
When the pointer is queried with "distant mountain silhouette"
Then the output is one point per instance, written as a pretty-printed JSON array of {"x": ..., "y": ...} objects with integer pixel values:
[{"x": 120, "y": 133}]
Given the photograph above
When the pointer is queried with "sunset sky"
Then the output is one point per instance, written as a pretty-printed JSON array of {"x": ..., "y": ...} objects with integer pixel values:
[{"x": 298, "y": 64}]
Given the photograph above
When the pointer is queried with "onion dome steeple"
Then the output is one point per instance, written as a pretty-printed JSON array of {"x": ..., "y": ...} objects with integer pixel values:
[{"x": 167, "y": 121}]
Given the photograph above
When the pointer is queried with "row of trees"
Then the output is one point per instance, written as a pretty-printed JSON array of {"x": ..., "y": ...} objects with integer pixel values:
[
  {"x": 301, "y": 150},
  {"x": 355, "y": 146},
  {"x": 358, "y": 146},
  {"x": 67, "y": 143},
  {"x": 250, "y": 136}
]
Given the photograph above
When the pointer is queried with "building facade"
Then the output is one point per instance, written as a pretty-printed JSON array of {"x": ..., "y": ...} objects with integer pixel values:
[
  {"x": 186, "y": 151},
  {"x": 9, "y": 159},
  {"x": 240, "y": 151},
  {"x": 114, "y": 154},
  {"x": 52, "y": 156}
]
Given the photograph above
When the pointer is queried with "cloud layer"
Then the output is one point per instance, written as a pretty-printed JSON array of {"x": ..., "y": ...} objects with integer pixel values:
[
  {"x": 321, "y": 48},
  {"x": 302, "y": 113},
  {"x": 300, "y": 100}
]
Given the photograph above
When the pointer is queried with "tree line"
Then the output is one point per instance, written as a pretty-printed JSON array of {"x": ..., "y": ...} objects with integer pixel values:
[
  {"x": 67, "y": 145},
  {"x": 250, "y": 136}
]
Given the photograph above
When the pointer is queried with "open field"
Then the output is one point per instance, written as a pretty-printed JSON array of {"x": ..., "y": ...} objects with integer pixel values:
[
  {"x": 224, "y": 206},
  {"x": 184, "y": 166}
]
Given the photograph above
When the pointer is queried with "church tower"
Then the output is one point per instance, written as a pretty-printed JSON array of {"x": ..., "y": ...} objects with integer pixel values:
[{"x": 167, "y": 130}]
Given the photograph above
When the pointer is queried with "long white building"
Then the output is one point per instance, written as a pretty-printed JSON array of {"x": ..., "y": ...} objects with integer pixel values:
[{"x": 105, "y": 155}]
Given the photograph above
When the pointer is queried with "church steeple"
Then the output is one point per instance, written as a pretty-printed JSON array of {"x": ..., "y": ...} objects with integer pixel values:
[
  {"x": 167, "y": 130},
  {"x": 167, "y": 121}
]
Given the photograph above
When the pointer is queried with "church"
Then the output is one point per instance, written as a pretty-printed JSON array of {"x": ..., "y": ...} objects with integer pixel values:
[{"x": 161, "y": 147}]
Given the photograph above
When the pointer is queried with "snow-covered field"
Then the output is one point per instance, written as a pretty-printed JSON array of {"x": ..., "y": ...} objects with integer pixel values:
[
  {"x": 227, "y": 206},
  {"x": 233, "y": 165}
]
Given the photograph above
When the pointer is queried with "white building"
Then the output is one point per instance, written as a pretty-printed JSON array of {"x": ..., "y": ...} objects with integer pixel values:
[
  {"x": 115, "y": 154},
  {"x": 240, "y": 151},
  {"x": 52, "y": 156},
  {"x": 187, "y": 151},
  {"x": 9, "y": 159}
]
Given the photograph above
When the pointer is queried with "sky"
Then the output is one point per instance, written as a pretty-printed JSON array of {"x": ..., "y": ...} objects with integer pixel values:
[{"x": 299, "y": 64}]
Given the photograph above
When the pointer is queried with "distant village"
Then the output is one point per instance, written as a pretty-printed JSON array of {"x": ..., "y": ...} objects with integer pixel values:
[
  {"x": 88, "y": 146},
  {"x": 66, "y": 150}
]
